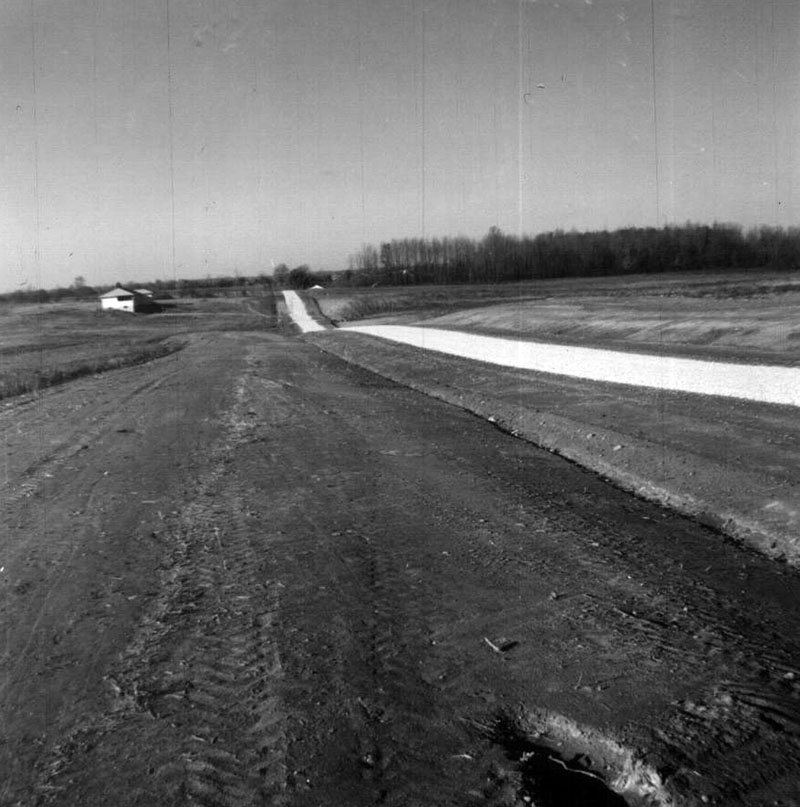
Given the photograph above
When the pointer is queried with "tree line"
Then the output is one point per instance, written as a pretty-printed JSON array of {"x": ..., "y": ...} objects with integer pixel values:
[
  {"x": 499, "y": 257},
  {"x": 495, "y": 258}
]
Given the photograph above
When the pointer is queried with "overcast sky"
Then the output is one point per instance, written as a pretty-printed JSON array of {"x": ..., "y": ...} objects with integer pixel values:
[{"x": 163, "y": 138}]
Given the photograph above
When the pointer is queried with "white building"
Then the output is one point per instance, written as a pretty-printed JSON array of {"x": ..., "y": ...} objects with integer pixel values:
[{"x": 120, "y": 299}]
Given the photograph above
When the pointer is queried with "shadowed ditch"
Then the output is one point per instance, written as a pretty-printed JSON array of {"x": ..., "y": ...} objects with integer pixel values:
[{"x": 548, "y": 780}]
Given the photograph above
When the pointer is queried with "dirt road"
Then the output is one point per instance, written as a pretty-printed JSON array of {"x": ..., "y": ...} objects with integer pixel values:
[{"x": 251, "y": 573}]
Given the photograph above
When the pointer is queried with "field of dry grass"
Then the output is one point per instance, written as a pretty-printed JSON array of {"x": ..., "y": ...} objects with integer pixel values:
[
  {"x": 747, "y": 316},
  {"x": 43, "y": 345}
]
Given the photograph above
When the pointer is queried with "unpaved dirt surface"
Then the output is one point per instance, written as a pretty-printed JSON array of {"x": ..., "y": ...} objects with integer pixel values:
[
  {"x": 732, "y": 464},
  {"x": 253, "y": 573}
]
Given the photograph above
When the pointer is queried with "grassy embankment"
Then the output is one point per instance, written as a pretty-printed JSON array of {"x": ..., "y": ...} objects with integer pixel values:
[
  {"x": 44, "y": 345},
  {"x": 736, "y": 315}
]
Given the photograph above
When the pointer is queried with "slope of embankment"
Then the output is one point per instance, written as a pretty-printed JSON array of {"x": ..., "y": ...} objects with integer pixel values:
[{"x": 732, "y": 464}]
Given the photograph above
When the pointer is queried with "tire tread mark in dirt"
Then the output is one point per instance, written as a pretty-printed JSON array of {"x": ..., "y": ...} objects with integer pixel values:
[
  {"x": 228, "y": 671},
  {"x": 725, "y": 726},
  {"x": 378, "y": 640},
  {"x": 727, "y": 731},
  {"x": 395, "y": 710},
  {"x": 204, "y": 665}
]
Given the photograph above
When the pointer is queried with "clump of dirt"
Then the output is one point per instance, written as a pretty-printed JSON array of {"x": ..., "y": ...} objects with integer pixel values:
[{"x": 546, "y": 777}]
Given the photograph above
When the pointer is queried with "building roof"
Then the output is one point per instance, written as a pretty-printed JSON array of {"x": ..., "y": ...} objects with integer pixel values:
[
  {"x": 144, "y": 291},
  {"x": 118, "y": 291}
]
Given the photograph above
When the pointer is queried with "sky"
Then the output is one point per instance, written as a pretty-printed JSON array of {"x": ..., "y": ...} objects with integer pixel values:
[{"x": 187, "y": 138}]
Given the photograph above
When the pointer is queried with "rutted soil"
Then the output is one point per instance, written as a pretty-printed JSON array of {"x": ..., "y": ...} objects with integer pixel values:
[{"x": 252, "y": 573}]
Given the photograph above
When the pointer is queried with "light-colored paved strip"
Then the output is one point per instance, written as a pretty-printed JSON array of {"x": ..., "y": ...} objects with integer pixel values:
[
  {"x": 297, "y": 311},
  {"x": 763, "y": 383},
  {"x": 780, "y": 385}
]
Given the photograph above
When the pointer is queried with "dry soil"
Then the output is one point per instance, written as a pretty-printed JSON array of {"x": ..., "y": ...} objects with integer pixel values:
[{"x": 254, "y": 573}]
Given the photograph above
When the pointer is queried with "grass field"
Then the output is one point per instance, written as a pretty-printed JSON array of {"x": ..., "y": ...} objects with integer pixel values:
[
  {"x": 744, "y": 315},
  {"x": 43, "y": 345}
]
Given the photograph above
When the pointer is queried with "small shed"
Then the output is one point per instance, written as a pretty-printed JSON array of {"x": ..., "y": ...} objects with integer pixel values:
[{"x": 130, "y": 300}]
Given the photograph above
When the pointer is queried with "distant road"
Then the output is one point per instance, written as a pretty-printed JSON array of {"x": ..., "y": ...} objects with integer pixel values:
[
  {"x": 762, "y": 383},
  {"x": 298, "y": 312}
]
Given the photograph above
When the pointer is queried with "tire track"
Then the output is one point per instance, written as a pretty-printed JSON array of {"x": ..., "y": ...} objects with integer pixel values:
[
  {"x": 399, "y": 704},
  {"x": 747, "y": 700},
  {"x": 751, "y": 740},
  {"x": 199, "y": 685},
  {"x": 357, "y": 635},
  {"x": 331, "y": 649},
  {"x": 229, "y": 671},
  {"x": 370, "y": 628}
]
